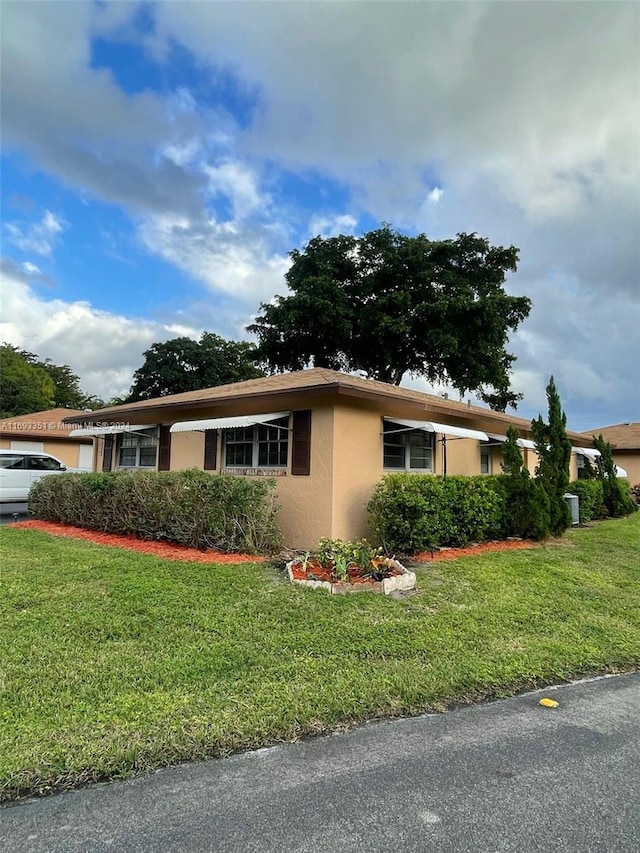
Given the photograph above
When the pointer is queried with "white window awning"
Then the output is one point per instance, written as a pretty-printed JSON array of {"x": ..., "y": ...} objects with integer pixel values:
[
  {"x": 443, "y": 429},
  {"x": 226, "y": 423},
  {"x": 586, "y": 451},
  {"x": 521, "y": 442},
  {"x": 620, "y": 472},
  {"x": 111, "y": 429}
]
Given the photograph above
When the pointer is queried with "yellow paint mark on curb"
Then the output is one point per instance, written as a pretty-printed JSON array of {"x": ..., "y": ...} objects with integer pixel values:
[{"x": 548, "y": 703}]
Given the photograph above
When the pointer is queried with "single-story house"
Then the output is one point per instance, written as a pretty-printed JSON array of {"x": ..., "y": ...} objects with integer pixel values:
[
  {"x": 45, "y": 432},
  {"x": 625, "y": 447},
  {"x": 327, "y": 438}
]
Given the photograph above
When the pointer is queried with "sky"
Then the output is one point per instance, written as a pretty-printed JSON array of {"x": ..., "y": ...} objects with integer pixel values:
[{"x": 160, "y": 161}]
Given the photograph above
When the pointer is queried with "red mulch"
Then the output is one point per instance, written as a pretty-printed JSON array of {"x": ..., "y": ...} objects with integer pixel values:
[
  {"x": 473, "y": 550},
  {"x": 166, "y": 550}
]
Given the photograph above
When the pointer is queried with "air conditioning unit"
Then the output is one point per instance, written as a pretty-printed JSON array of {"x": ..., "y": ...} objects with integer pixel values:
[{"x": 574, "y": 506}]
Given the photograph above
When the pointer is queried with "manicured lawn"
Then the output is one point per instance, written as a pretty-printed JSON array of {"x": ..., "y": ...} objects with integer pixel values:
[{"x": 114, "y": 663}]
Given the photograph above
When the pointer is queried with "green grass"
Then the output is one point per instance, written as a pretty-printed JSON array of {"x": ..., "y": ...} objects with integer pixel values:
[{"x": 113, "y": 663}]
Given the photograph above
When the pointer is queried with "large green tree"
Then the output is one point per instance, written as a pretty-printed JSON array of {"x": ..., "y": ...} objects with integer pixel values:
[
  {"x": 554, "y": 454},
  {"x": 184, "y": 364},
  {"x": 25, "y": 386},
  {"x": 31, "y": 384},
  {"x": 389, "y": 304}
]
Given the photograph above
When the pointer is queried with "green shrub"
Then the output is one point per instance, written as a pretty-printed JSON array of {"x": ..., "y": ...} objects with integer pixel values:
[
  {"x": 187, "y": 507},
  {"x": 527, "y": 507},
  {"x": 591, "y": 498},
  {"x": 410, "y": 513}
]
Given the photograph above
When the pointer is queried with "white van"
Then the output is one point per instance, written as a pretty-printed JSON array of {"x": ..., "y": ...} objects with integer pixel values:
[{"x": 20, "y": 469}]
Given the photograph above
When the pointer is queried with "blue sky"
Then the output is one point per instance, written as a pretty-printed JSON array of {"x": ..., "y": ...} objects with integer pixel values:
[{"x": 160, "y": 160}]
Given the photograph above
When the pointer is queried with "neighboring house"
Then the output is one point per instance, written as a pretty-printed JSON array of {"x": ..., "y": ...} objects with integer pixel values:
[
  {"x": 45, "y": 432},
  {"x": 625, "y": 446},
  {"x": 326, "y": 437}
]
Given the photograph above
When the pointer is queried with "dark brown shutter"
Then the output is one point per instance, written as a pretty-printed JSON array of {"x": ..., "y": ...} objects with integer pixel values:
[
  {"x": 301, "y": 444},
  {"x": 210, "y": 449},
  {"x": 164, "y": 448},
  {"x": 107, "y": 453}
]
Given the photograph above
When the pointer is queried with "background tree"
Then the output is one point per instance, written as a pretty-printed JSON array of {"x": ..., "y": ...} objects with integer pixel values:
[
  {"x": 183, "y": 364},
  {"x": 25, "y": 386},
  {"x": 554, "y": 453},
  {"x": 31, "y": 384},
  {"x": 388, "y": 304}
]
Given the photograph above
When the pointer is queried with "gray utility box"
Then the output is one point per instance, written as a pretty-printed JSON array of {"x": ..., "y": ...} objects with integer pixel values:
[{"x": 574, "y": 506}]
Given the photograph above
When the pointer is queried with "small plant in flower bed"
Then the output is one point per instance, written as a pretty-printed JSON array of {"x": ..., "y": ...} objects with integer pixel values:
[{"x": 346, "y": 562}]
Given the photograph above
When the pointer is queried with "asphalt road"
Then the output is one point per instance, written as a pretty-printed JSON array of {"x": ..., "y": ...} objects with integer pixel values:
[
  {"x": 10, "y": 512},
  {"x": 505, "y": 776}
]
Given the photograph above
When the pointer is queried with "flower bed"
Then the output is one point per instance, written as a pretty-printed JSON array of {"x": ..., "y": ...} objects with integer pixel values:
[{"x": 343, "y": 567}]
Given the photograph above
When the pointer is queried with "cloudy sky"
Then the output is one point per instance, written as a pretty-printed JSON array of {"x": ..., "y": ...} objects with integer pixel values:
[{"x": 159, "y": 161}]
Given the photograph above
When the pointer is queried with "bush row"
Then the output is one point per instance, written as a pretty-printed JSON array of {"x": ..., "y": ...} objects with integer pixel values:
[
  {"x": 186, "y": 507},
  {"x": 410, "y": 513}
]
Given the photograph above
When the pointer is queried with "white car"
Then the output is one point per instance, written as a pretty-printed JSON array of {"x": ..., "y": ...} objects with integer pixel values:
[{"x": 20, "y": 469}]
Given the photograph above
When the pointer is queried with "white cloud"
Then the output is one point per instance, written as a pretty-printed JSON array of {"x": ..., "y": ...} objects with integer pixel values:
[
  {"x": 227, "y": 257},
  {"x": 104, "y": 349},
  {"x": 331, "y": 226},
  {"x": 39, "y": 237},
  {"x": 434, "y": 196}
]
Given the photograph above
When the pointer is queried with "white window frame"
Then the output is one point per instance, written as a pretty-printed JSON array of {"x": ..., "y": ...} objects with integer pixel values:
[
  {"x": 138, "y": 447},
  {"x": 427, "y": 440},
  {"x": 281, "y": 424}
]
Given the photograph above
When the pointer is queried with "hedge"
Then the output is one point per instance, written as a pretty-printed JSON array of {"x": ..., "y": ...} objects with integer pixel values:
[
  {"x": 410, "y": 513},
  {"x": 187, "y": 507},
  {"x": 590, "y": 497}
]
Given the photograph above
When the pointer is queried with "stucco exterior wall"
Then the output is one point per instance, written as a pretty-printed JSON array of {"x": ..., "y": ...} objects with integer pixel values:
[
  {"x": 187, "y": 450},
  {"x": 630, "y": 461},
  {"x": 358, "y": 467},
  {"x": 305, "y": 501}
]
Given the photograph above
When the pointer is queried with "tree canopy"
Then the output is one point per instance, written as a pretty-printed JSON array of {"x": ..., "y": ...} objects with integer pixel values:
[
  {"x": 389, "y": 304},
  {"x": 25, "y": 386},
  {"x": 183, "y": 364}
]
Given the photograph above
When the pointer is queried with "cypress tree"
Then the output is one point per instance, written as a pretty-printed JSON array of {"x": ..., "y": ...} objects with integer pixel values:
[{"x": 554, "y": 453}]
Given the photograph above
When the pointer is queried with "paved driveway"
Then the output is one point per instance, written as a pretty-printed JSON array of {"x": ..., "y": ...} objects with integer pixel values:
[{"x": 506, "y": 776}]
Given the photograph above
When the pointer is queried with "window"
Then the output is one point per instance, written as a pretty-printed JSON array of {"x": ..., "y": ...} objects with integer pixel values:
[
  {"x": 44, "y": 463},
  {"x": 583, "y": 469},
  {"x": 485, "y": 459},
  {"x": 407, "y": 449},
  {"x": 257, "y": 446},
  {"x": 138, "y": 449},
  {"x": 13, "y": 463}
]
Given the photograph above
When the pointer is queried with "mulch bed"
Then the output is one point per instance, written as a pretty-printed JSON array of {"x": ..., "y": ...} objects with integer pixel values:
[
  {"x": 166, "y": 550},
  {"x": 473, "y": 550}
]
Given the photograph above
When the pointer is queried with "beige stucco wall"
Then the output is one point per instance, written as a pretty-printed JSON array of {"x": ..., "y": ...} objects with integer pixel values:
[
  {"x": 630, "y": 462},
  {"x": 187, "y": 450},
  {"x": 358, "y": 466},
  {"x": 305, "y": 501}
]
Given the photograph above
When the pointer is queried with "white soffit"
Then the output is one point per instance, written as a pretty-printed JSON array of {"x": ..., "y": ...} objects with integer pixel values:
[
  {"x": 226, "y": 423},
  {"x": 443, "y": 429},
  {"x": 109, "y": 430}
]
